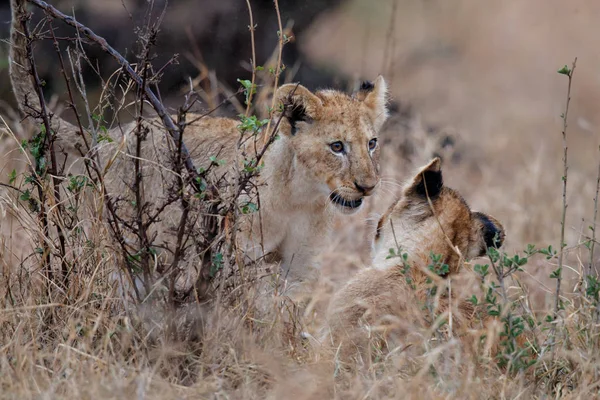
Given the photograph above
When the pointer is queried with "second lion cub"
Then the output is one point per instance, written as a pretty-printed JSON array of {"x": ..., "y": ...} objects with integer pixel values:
[{"x": 431, "y": 230}]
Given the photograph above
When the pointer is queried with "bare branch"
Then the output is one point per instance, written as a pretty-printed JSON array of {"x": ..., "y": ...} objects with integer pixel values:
[
  {"x": 152, "y": 98},
  {"x": 564, "y": 194}
]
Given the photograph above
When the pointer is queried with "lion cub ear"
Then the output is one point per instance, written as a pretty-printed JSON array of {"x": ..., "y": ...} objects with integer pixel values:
[
  {"x": 487, "y": 231},
  {"x": 299, "y": 104},
  {"x": 428, "y": 181},
  {"x": 374, "y": 95}
]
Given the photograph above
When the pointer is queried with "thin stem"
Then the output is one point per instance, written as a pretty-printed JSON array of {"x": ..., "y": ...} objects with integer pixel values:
[
  {"x": 138, "y": 185},
  {"x": 278, "y": 67},
  {"x": 251, "y": 27},
  {"x": 564, "y": 194},
  {"x": 43, "y": 214},
  {"x": 593, "y": 240},
  {"x": 68, "y": 84}
]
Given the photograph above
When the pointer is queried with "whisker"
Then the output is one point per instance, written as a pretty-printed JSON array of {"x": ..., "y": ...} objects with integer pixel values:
[
  {"x": 392, "y": 183},
  {"x": 391, "y": 178},
  {"x": 388, "y": 191}
]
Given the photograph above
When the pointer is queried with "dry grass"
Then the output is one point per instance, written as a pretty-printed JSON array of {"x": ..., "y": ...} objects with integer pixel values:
[{"x": 84, "y": 341}]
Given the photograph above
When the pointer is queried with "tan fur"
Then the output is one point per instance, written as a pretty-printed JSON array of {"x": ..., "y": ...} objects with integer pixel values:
[
  {"x": 421, "y": 230},
  {"x": 300, "y": 170},
  {"x": 390, "y": 297}
]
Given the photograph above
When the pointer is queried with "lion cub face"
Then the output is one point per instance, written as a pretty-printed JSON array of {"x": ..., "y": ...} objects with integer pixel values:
[
  {"x": 333, "y": 138},
  {"x": 421, "y": 227}
]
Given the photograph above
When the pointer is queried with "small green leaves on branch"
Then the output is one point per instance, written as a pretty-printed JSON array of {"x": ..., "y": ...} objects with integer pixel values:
[
  {"x": 565, "y": 71},
  {"x": 251, "y": 124},
  {"x": 249, "y": 89}
]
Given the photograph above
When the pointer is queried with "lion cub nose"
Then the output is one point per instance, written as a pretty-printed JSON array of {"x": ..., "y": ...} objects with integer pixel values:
[{"x": 365, "y": 188}]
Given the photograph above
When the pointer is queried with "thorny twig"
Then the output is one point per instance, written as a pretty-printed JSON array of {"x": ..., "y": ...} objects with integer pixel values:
[
  {"x": 564, "y": 193},
  {"x": 149, "y": 94},
  {"x": 142, "y": 221},
  {"x": 557, "y": 302},
  {"x": 148, "y": 38},
  {"x": 47, "y": 145}
]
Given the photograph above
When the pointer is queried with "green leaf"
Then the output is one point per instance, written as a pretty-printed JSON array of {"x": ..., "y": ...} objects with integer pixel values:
[
  {"x": 564, "y": 71},
  {"x": 391, "y": 254},
  {"x": 249, "y": 208},
  {"x": 251, "y": 124},
  {"x": 549, "y": 252},
  {"x": 217, "y": 264},
  {"x": 77, "y": 182},
  {"x": 26, "y": 195},
  {"x": 530, "y": 250},
  {"x": 245, "y": 83},
  {"x": 104, "y": 138},
  {"x": 201, "y": 183},
  {"x": 249, "y": 88},
  {"x": 215, "y": 161},
  {"x": 438, "y": 266},
  {"x": 482, "y": 270},
  {"x": 12, "y": 177},
  {"x": 473, "y": 300}
]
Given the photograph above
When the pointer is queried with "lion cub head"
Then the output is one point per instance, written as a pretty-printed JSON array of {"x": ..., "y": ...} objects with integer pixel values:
[
  {"x": 388, "y": 299},
  {"x": 333, "y": 140},
  {"x": 430, "y": 218}
]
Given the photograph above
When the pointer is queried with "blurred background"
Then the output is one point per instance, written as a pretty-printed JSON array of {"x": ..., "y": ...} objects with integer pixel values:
[{"x": 475, "y": 82}]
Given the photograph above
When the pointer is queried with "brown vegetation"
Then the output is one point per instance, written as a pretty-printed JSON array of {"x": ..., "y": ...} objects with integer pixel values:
[{"x": 482, "y": 83}]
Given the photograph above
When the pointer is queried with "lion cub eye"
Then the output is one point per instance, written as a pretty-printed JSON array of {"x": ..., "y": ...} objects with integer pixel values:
[
  {"x": 372, "y": 144},
  {"x": 337, "y": 147}
]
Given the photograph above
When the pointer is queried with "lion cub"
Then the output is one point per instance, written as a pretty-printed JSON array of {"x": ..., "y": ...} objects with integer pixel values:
[
  {"x": 430, "y": 227},
  {"x": 324, "y": 163}
]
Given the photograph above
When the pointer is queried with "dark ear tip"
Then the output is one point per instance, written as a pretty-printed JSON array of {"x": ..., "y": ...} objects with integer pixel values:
[
  {"x": 295, "y": 112},
  {"x": 493, "y": 232},
  {"x": 431, "y": 183},
  {"x": 367, "y": 86}
]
